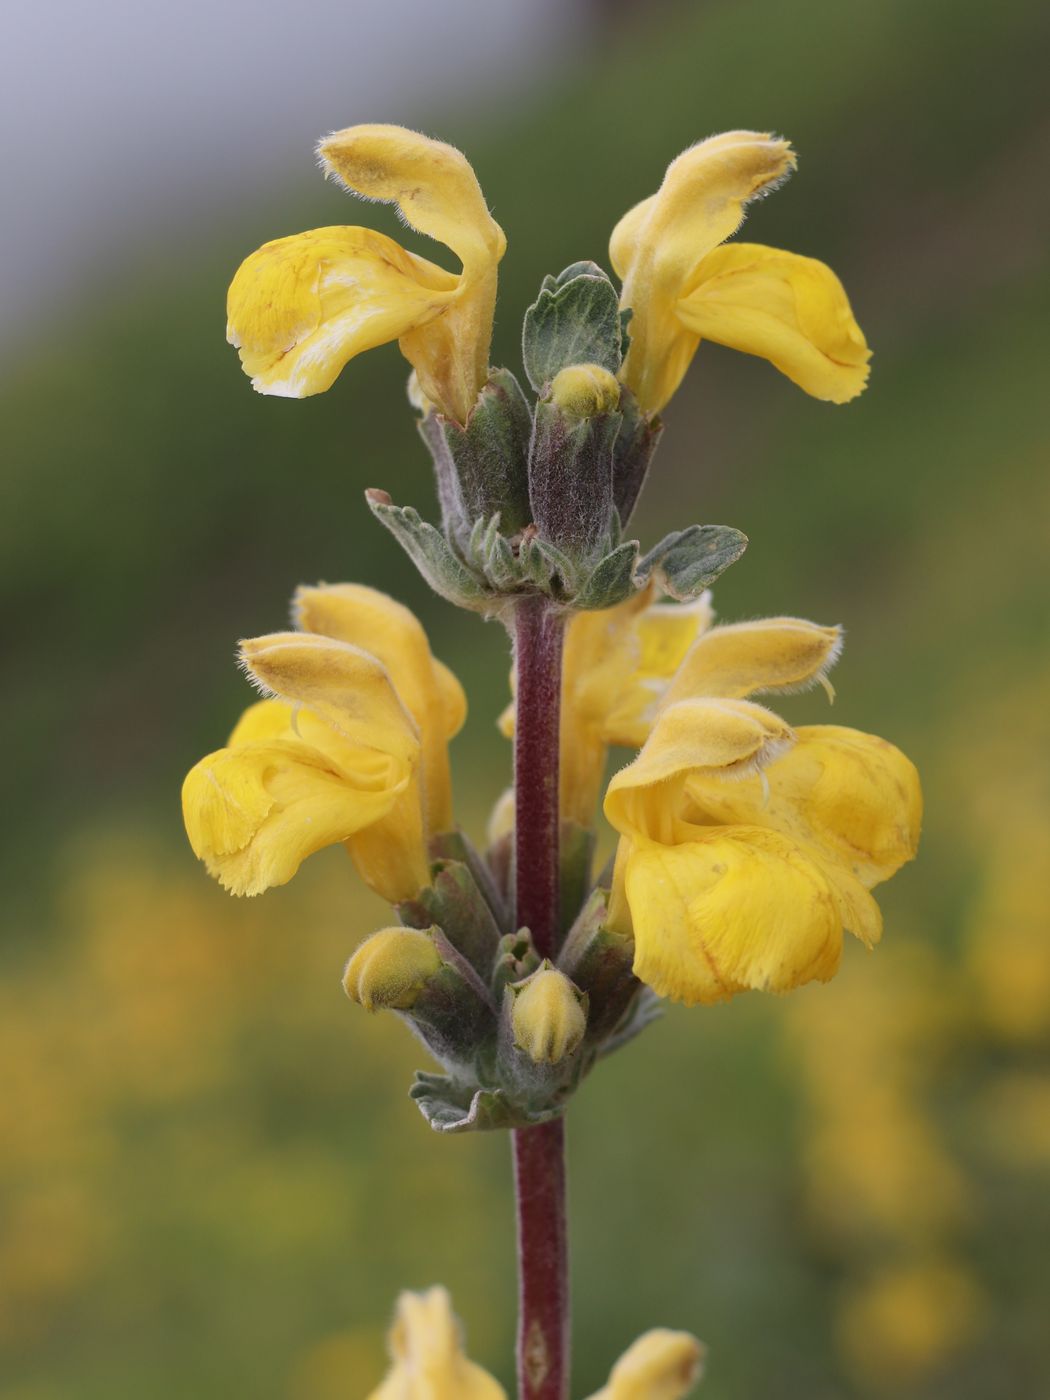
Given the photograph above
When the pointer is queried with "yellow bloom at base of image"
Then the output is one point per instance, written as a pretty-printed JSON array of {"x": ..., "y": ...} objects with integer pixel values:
[
  {"x": 426, "y": 1349},
  {"x": 661, "y": 1365},
  {"x": 300, "y": 308},
  {"x": 681, "y": 287},
  {"x": 352, "y": 749}
]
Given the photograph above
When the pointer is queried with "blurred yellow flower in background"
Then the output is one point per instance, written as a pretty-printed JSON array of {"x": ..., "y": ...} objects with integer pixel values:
[
  {"x": 301, "y": 307},
  {"x": 682, "y": 287}
]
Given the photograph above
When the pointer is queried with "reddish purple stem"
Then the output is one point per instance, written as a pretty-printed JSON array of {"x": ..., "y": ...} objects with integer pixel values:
[{"x": 539, "y": 1152}]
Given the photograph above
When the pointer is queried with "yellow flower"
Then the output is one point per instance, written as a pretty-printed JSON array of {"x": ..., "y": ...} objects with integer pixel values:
[
  {"x": 617, "y": 665},
  {"x": 682, "y": 287},
  {"x": 747, "y": 847},
  {"x": 352, "y": 749},
  {"x": 426, "y": 1347},
  {"x": 301, "y": 307},
  {"x": 427, "y": 1351}
]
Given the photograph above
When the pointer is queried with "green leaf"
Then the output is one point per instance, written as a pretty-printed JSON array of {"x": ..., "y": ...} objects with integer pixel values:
[
  {"x": 428, "y": 549},
  {"x": 612, "y": 579},
  {"x": 686, "y": 562},
  {"x": 575, "y": 320},
  {"x": 452, "y": 1107}
]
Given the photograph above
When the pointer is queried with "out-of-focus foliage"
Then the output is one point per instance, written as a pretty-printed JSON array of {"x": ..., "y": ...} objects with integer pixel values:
[{"x": 212, "y": 1182}]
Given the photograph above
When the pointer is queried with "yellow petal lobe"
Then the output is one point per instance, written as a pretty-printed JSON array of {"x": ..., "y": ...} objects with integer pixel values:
[
  {"x": 852, "y": 797},
  {"x": 777, "y": 654},
  {"x": 790, "y": 310},
  {"x": 658, "y": 246},
  {"x": 300, "y": 308},
  {"x": 376, "y": 623},
  {"x": 742, "y": 908}
]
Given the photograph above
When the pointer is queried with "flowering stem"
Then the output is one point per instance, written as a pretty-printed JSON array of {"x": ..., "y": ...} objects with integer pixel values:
[{"x": 539, "y": 1152}]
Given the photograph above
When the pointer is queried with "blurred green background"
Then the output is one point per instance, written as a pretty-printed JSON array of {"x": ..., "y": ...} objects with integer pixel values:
[{"x": 211, "y": 1181}]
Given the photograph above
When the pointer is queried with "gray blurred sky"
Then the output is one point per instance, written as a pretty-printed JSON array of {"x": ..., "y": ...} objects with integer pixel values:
[{"x": 117, "y": 114}]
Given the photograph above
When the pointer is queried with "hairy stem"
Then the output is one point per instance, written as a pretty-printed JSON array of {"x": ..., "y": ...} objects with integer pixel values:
[{"x": 539, "y": 1152}]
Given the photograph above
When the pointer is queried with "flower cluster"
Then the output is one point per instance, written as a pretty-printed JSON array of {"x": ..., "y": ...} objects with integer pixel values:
[{"x": 746, "y": 847}]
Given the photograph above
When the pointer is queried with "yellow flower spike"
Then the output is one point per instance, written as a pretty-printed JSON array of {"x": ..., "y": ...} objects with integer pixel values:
[
  {"x": 682, "y": 287},
  {"x": 549, "y": 1015},
  {"x": 661, "y": 1365},
  {"x": 371, "y": 620},
  {"x": 390, "y": 969},
  {"x": 426, "y": 1349},
  {"x": 301, "y": 307}
]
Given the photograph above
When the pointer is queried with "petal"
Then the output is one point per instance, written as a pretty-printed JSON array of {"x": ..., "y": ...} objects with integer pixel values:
[
  {"x": 661, "y": 1365},
  {"x": 427, "y": 1354},
  {"x": 431, "y": 183},
  {"x": 659, "y": 245},
  {"x": 741, "y": 909},
  {"x": 853, "y": 798},
  {"x": 377, "y": 624},
  {"x": 437, "y": 193},
  {"x": 709, "y": 737},
  {"x": 254, "y": 813},
  {"x": 778, "y": 654},
  {"x": 346, "y": 687},
  {"x": 790, "y": 310},
  {"x": 300, "y": 308}
]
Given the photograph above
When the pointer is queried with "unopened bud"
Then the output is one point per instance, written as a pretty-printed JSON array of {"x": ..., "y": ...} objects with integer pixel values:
[
  {"x": 661, "y": 1365},
  {"x": 391, "y": 968},
  {"x": 549, "y": 1016},
  {"x": 585, "y": 390}
]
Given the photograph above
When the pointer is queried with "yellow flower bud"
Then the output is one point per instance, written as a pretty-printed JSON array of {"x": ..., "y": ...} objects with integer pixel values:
[
  {"x": 391, "y": 968},
  {"x": 661, "y": 1365},
  {"x": 549, "y": 1015},
  {"x": 585, "y": 390}
]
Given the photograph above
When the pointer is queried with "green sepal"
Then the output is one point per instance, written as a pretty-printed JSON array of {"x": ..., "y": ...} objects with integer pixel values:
[
  {"x": 571, "y": 479},
  {"x": 575, "y": 320},
  {"x": 685, "y": 562},
  {"x": 454, "y": 902},
  {"x": 454, "y": 1013},
  {"x": 457, "y": 845},
  {"x": 516, "y": 959},
  {"x": 577, "y": 853},
  {"x": 599, "y": 961},
  {"x": 611, "y": 580},
  {"x": 485, "y": 462},
  {"x": 537, "y": 1087},
  {"x": 428, "y": 549},
  {"x": 450, "y": 1106},
  {"x": 633, "y": 453}
]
